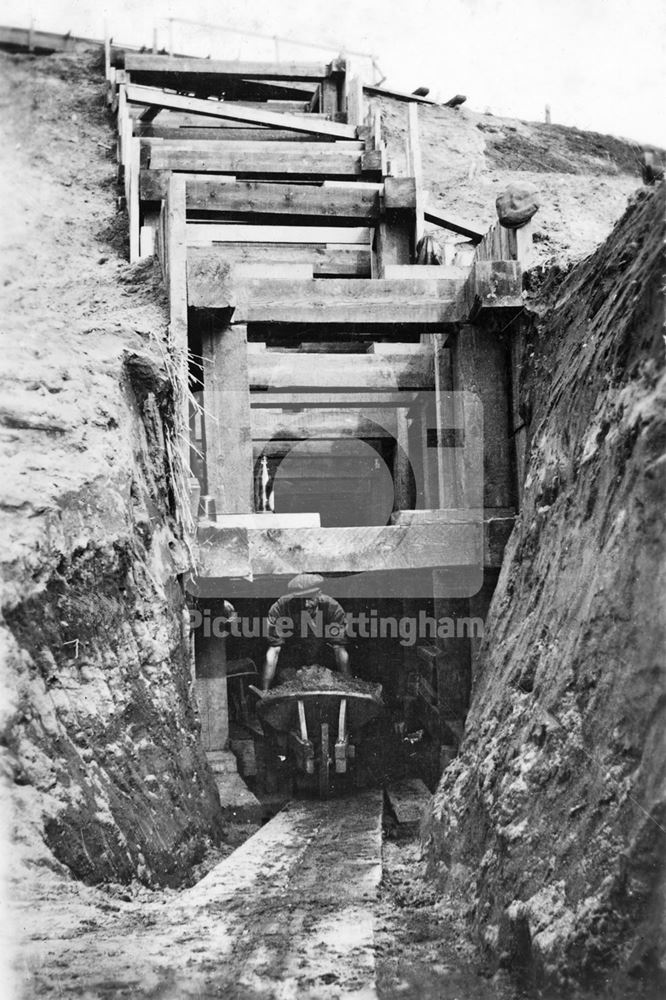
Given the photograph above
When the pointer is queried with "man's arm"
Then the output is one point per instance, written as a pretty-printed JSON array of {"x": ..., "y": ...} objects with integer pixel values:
[
  {"x": 270, "y": 666},
  {"x": 342, "y": 660}
]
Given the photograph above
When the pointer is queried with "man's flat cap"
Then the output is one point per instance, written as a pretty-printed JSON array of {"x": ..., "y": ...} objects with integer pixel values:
[{"x": 304, "y": 584}]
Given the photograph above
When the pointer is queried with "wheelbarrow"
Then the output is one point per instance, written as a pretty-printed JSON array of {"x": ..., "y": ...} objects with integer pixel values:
[{"x": 322, "y": 727}]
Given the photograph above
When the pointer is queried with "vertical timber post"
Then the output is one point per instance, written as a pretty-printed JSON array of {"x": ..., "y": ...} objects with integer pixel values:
[
  {"x": 416, "y": 170},
  {"x": 177, "y": 270},
  {"x": 229, "y": 458}
]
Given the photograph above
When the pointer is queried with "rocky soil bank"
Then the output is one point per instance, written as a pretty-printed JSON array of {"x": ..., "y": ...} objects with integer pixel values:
[
  {"x": 553, "y": 819},
  {"x": 98, "y": 723}
]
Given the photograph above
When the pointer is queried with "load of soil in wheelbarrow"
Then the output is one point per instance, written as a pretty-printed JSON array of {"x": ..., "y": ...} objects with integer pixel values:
[
  {"x": 315, "y": 678},
  {"x": 319, "y": 688}
]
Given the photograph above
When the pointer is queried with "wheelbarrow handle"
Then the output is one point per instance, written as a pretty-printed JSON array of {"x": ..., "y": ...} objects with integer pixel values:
[{"x": 256, "y": 690}]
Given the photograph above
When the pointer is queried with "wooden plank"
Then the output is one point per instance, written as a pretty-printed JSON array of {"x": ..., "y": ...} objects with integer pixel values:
[
  {"x": 222, "y": 109},
  {"x": 235, "y": 133},
  {"x": 447, "y": 221},
  {"x": 229, "y": 465},
  {"x": 263, "y": 198},
  {"x": 287, "y": 399},
  {"x": 399, "y": 95},
  {"x": 357, "y": 300},
  {"x": 153, "y": 182},
  {"x": 494, "y": 284},
  {"x": 212, "y": 283},
  {"x": 264, "y": 141},
  {"x": 133, "y": 209},
  {"x": 349, "y": 261},
  {"x": 393, "y": 241},
  {"x": 261, "y": 162},
  {"x": 400, "y": 193},
  {"x": 147, "y": 63},
  {"x": 176, "y": 269},
  {"x": 342, "y": 371},
  {"x": 199, "y": 234},
  {"x": 345, "y": 550},
  {"x": 284, "y": 425},
  {"x": 408, "y": 799},
  {"x": 401, "y": 271},
  {"x": 355, "y": 102},
  {"x": 426, "y": 302},
  {"x": 416, "y": 171}
]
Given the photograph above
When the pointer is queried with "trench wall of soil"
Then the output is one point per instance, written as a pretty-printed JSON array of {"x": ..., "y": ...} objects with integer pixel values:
[
  {"x": 100, "y": 736},
  {"x": 552, "y": 821}
]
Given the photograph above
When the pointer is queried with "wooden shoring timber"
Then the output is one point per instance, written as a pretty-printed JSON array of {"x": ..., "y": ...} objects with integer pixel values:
[
  {"x": 266, "y": 141},
  {"x": 493, "y": 284},
  {"x": 388, "y": 372},
  {"x": 140, "y": 62},
  {"x": 202, "y": 234},
  {"x": 446, "y": 221},
  {"x": 321, "y": 425},
  {"x": 423, "y": 303},
  {"x": 342, "y": 549},
  {"x": 346, "y": 261},
  {"x": 132, "y": 171},
  {"x": 139, "y": 112},
  {"x": 286, "y": 400},
  {"x": 175, "y": 262},
  {"x": 500, "y": 243},
  {"x": 223, "y": 109},
  {"x": 256, "y": 198},
  {"x": 416, "y": 170},
  {"x": 400, "y": 193},
  {"x": 124, "y": 125},
  {"x": 397, "y": 94},
  {"x": 227, "y": 419},
  {"x": 256, "y": 160},
  {"x": 229, "y": 131},
  {"x": 355, "y": 102}
]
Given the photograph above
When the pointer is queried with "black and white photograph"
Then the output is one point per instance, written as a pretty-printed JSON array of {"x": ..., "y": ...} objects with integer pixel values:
[{"x": 333, "y": 500}]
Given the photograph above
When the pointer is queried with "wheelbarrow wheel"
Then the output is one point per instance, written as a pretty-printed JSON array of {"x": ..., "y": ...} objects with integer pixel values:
[{"x": 324, "y": 762}]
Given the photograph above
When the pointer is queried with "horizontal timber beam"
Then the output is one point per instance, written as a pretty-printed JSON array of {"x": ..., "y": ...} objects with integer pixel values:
[
  {"x": 339, "y": 550},
  {"x": 222, "y": 109},
  {"x": 203, "y": 234},
  {"x": 426, "y": 302},
  {"x": 344, "y": 261},
  {"x": 311, "y": 425},
  {"x": 147, "y": 63},
  {"x": 274, "y": 371},
  {"x": 288, "y": 399},
  {"x": 264, "y": 198}
]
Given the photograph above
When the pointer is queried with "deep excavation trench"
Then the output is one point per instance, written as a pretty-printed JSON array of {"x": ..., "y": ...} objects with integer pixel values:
[{"x": 539, "y": 870}]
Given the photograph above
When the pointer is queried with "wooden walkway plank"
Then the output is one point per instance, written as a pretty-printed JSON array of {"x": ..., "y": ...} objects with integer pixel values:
[{"x": 224, "y": 109}]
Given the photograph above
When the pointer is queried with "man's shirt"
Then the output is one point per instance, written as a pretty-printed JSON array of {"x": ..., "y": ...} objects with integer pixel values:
[{"x": 289, "y": 622}]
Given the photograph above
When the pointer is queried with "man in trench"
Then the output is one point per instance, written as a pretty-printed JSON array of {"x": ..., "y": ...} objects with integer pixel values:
[{"x": 305, "y": 626}]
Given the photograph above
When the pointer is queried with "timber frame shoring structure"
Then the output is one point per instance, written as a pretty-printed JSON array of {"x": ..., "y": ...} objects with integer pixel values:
[{"x": 288, "y": 243}]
